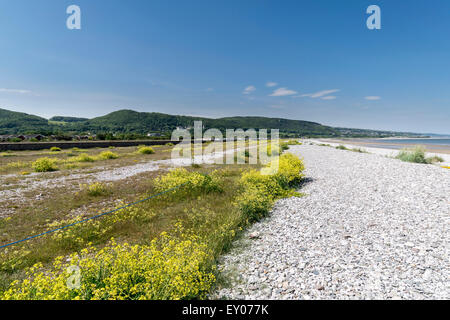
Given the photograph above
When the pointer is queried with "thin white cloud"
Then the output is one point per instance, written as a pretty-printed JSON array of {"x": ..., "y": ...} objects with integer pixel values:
[
  {"x": 281, "y": 92},
  {"x": 372, "y": 98},
  {"x": 20, "y": 91},
  {"x": 271, "y": 84},
  {"x": 328, "y": 98},
  {"x": 249, "y": 90},
  {"x": 320, "y": 93}
]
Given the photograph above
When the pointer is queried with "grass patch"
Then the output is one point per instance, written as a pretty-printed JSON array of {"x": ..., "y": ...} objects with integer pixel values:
[
  {"x": 341, "y": 147},
  {"x": 417, "y": 155},
  {"x": 146, "y": 150},
  {"x": 95, "y": 190},
  {"x": 108, "y": 155}
]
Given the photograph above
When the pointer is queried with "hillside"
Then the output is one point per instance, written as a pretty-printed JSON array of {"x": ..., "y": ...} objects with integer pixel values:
[
  {"x": 128, "y": 121},
  {"x": 67, "y": 119},
  {"x": 21, "y": 123},
  {"x": 133, "y": 122}
]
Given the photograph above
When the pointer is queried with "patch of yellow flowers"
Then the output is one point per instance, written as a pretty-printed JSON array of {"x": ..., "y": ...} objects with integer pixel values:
[
  {"x": 178, "y": 266},
  {"x": 192, "y": 181},
  {"x": 262, "y": 188},
  {"x": 167, "y": 268}
]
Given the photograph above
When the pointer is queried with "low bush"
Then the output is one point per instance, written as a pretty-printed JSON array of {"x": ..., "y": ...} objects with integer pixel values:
[
  {"x": 416, "y": 155},
  {"x": 170, "y": 144},
  {"x": 284, "y": 146},
  {"x": 108, "y": 155},
  {"x": 44, "y": 165},
  {"x": 192, "y": 181},
  {"x": 341, "y": 147},
  {"x": 294, "y": 143},
  {"x": 84, "y": 157},
  {"x": 435, "y": 159},
  {"x": 146, "y": 150},
  {"x": 261, "y": 188},
  {"x": 55, "y": 149},
  {"x": 96, "y": 189}
]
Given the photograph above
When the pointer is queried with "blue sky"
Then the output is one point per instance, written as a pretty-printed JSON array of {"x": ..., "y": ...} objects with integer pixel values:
[{"x": 310, "y": 60}]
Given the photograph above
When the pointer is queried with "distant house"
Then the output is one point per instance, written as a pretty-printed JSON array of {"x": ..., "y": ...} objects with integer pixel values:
[
  {"x": 5, "y": 137},
  {"x": 38, "y": 137},
  {"x": 155, "y": 134}
]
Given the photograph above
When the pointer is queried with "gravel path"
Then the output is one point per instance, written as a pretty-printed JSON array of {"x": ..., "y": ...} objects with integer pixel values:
[{"x": 370, "y": 227}]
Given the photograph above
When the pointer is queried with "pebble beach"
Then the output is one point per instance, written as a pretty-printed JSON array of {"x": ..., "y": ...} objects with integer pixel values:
[{"x": 368, "y": 227}]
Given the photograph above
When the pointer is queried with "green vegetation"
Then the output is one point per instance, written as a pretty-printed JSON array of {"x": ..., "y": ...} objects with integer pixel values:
[
  {"x": 21, "y": 123},
  {"x": 132, "y": 125},
  {"x": 108, "y": 155},
  {"x": 84, "y": 157},
  {"x": 55, "y": 149},
  {"x": 44, "y": 165},
  {"x": 164, "y": 248},
  {"x": 146, "y": 150},
  {"x": 67, "y": 119},
  {"x": 417, "y": 155},
  {"x": 96, "y": 189}
]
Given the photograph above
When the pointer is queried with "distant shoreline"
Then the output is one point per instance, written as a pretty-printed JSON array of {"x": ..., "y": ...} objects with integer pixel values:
[{"x": 431, "y": 148}]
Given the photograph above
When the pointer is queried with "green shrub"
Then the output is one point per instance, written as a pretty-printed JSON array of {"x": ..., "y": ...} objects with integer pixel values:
[
  {"x": 55, "y": 149},
  {"x": 284, "y": 146},
  {"x": 416, "y": 155},
  {"x": 192, "y": 181},
  {"x": 170, "y": 144},
  {"x": 261, "y": 188},
  {"x": 84, "y": 157},
  {"x": 294, "y": 142},
  {"x": 96, "y": 189},
  {"x": 44, "y": 165},
  {"x": 146, "y": 150},
  {"x": 435, "y": 159},
  {"x": 341, "y": 147},
  {"x": 107, "y": 155}
]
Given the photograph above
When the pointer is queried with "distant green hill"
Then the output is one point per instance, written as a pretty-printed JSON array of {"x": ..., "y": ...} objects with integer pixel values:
[
  {"x": 21, "y": 123},
  {"x": 128, "y": 121},
  {"x": 67, "y": 119},
  {"x": 141, "y": 123}
]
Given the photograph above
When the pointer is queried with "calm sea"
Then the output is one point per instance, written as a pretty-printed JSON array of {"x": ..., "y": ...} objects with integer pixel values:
[{"x": 429, "y": 143}]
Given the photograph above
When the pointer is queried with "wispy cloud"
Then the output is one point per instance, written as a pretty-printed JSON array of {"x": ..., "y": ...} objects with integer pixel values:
[
  {"x": 372, "y": 98},
  {"x": 320, "y": 93},
  {"x": 281, "y": 92},
  {"x": 249, "y": 90},
  {"x": 271, "y": 84},
  {"x": 20, "y": 91},
  {"x": 328, "y": 98}
]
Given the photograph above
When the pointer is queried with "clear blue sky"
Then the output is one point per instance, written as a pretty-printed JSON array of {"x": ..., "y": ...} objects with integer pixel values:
[{"x": 199, "y": 57}]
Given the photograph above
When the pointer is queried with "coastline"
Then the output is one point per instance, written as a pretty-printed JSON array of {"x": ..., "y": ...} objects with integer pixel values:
[{"x": 381, "y": 149}]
